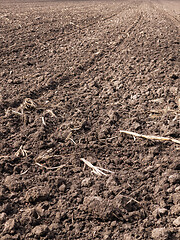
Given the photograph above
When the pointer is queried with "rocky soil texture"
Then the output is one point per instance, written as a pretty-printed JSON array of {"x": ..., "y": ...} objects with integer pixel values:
[{"x": 73, "y": 77}]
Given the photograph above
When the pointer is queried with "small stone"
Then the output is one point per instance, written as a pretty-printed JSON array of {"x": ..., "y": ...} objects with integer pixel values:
[
  {"x": 114, "y": 224},
  {"x": 175, "y": 178},
  {"x": 101, "y": 208},
  {"x": 176, "y": 222},
  {"x": 6, "y": 237},
  {"x": 9, "y": 81},
  {"x": 13, "y": 183},
  {"x": 9, "y": 225},
  {"x": 111, "y": 181},
  {"x": 2, "y": 217},
  {"x": 176, "y": 198},
  {"x": 39, "y": 210},
  {"x": 177, "y": 189},
  {"x": 62, "y": 188},
  {"x": 86, "y": 182},
  {"x": 36, "y": 194},
  {"x": 160, "y": 212},
  {"x": 40, "y": 230},
  {"x": 53, "y": 226},
  {"x": 175, "y": 210},
  {"x": 2, "y": 193},
  {"x": 173, "y": 90},
  {"x": 127, "y": 236},
  {"x": 106, "y": 237},
  {"x": 160, "y": 234}
]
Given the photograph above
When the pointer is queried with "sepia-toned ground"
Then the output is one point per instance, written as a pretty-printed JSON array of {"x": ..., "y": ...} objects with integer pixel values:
[{"x": 73, "y": 76}]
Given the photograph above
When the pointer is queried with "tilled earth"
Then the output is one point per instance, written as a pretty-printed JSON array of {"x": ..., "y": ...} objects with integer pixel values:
[{"x": 74, "y": 75}]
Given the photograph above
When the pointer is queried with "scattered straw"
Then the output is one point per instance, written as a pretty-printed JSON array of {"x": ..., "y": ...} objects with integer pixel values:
[
  {"x": 151, "y": 137},
  {"x": 96, "y": 170},
  {"x": 21, "y": 152}
]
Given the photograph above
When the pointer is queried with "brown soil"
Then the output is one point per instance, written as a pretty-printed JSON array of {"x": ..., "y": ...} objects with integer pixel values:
[{"x": 73, "y": 74}]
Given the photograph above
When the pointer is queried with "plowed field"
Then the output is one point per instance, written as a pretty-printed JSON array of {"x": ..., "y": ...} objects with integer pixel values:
[{"x": 89, "y": 82}]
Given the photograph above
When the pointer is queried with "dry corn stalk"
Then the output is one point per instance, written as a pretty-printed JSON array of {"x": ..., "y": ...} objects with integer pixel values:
[
  {"x": 151, "y": 137},
  {"x": 96, "y": 170}
]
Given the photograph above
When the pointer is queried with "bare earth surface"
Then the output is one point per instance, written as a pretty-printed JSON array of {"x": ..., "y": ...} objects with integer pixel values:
[{"x": 72, "y": 76}]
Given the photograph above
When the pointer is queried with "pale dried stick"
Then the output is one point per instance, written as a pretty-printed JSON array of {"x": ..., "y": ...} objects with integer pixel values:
[
  {"x": 43, "y": 121},
  {"x": 50, "y": 168},
  {"x": 24, "y": 172},
  {"x": 130, "y": 199},
  {"x": 96, "y": 170},
  {"x": 21, "y": 152},
  {"x": 50, "y": 112},
  {"x": 15, "y": 112},
  {"x": 73, "y": 141},
  {"x": 45, "y": 157},
  {"x": 151, "y": 137},
  {"x": 9, "y": 111},
  {"x": 68, "y": 136}
]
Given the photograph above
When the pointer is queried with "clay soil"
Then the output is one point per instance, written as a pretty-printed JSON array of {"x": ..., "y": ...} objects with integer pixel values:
[{"x": 72, "y": 76}]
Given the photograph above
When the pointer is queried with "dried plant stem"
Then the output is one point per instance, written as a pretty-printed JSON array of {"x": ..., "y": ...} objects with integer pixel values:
[
  {"x": 21, "y": 152},
  {"x": 96, "y": 170},
  {"x": 130, "y": 199},
  {"x": 50, "y": 112},
  {"x": 50, "y": 168},
  {"x": 73, "y": 141},
  {"x": 43, "y": 121},
  {"x": 151, "y": 137},
  {"x": 24, "y": 172}
]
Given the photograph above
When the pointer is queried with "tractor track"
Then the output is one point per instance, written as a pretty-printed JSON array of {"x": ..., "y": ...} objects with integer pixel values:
[
  {"x": 175, "y": 21},
  {"x": 61, "y": 79}
]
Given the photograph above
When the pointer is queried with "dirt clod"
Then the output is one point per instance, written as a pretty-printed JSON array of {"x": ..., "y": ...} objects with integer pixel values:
[
  {"x": 40, "y": 231},
  {"x": 160, "y": 233}
]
